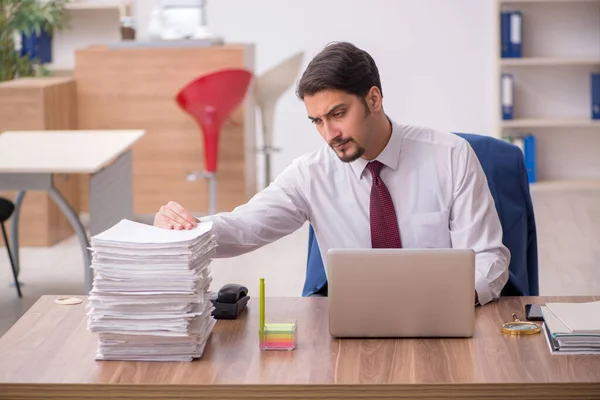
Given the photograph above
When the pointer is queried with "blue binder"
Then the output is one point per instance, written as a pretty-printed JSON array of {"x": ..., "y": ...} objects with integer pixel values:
[
  {"x": 507, "y": 95},
  {"x": 37, "y": 47},
  {"x": 511, "y": 26},
  {"x": 505, "y": 34},
  {"x": 529, "y": 150},
  {"x": 595, "y": 95}
]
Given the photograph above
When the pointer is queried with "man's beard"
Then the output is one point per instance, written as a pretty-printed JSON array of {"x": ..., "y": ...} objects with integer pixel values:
[{"x": 348, "y": 155}]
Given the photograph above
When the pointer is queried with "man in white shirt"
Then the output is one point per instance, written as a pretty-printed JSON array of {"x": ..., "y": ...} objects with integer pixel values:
[{"x": 376, "y": 183}]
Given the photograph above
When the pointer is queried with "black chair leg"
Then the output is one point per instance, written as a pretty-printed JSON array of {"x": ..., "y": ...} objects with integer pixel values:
[{"x": 12, "y": 264}]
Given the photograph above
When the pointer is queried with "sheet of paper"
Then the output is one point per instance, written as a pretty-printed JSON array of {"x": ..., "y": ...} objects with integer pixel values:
[{"x": 578, "y": 317}]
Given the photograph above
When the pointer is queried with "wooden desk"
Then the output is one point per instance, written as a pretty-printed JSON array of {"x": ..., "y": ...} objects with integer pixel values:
[
  {"x": 30, "y": 159},
  {"x": 49, "y": 353}
]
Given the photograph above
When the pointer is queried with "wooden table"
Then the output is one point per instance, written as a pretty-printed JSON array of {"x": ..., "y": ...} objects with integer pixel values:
[
  {"x": 30, "y": 159},
  {"x": 49, "y": 354}
]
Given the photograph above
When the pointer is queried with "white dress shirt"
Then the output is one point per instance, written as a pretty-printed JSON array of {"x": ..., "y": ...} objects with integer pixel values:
[{"x": 436, "y": 182}]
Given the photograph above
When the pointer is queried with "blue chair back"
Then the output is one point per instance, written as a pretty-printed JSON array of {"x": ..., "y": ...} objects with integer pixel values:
[{"x": 504, "y": 167}]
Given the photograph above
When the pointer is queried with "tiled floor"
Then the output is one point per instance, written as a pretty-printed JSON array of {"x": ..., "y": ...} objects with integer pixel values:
[{"x": 568, "y": 240}]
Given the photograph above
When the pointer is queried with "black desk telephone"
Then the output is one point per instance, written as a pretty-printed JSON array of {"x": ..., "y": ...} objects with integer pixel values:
[{"x": 230, "y": 301}]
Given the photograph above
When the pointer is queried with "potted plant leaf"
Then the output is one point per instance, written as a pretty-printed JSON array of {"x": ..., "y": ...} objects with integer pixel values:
[{"x": 33, "y": 22}]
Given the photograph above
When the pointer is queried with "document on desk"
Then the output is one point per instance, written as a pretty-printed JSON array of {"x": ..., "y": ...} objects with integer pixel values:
[
  {"x": 578, "y": 317},
  {"x": 150, "y": 296},
  {"x": 572, "y": 328}
]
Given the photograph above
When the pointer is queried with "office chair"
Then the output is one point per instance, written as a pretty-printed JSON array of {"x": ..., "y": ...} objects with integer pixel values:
[
  {"x": 210, "y": 100},
  {"x": 504, "y": 167},
  {"x": 269, "y": 87},
  {"x": 6, "y": 209}
]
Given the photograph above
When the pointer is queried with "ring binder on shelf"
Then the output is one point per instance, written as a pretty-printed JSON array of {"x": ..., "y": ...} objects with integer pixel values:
[{"x": 507, "y": 93}]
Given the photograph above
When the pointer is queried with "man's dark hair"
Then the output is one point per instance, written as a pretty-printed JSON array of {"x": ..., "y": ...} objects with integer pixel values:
[{"x": 340, "y": 66}]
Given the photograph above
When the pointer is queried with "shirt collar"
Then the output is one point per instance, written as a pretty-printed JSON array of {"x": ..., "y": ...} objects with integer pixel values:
[{"x": 390, "y": 156}]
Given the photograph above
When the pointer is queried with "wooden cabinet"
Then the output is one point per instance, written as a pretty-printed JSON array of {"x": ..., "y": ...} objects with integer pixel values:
[
  {"x": 41, "y": 104},
  {"x": 135, "y": 88}
]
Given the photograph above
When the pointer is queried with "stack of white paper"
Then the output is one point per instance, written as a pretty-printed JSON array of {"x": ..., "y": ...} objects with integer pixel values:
[
  {"x": 150, "y": 298},
  {"x": 572, "y": 328}
]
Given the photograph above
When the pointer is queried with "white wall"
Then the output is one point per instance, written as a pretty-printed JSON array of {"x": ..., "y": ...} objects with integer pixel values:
[
  {"x": 85, "y": 27},
  {"x": 435, "y": 56}
]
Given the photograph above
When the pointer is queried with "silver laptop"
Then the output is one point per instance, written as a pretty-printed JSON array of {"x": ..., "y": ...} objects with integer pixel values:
[{"x": 401, "y": 292}]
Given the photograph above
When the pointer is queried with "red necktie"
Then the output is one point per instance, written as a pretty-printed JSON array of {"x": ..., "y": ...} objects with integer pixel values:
[{"x": 384, "y": 225}]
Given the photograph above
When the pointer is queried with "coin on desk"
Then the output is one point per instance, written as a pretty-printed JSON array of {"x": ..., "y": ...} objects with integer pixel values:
[{"x": 68, "y": 301}]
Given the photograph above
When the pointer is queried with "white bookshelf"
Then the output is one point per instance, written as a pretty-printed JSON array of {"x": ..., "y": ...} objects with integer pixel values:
[{"x": 552, "y": 93}]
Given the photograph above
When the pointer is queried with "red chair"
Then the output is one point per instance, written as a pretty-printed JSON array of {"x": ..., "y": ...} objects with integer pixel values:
[{"x": 210, "y": 100}]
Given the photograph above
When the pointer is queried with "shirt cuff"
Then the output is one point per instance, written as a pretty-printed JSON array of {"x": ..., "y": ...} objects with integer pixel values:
[
  {"x": 209, "y": 218},
  {"x": 214, "y": 219},
  {"x": 484, "y": 294}
]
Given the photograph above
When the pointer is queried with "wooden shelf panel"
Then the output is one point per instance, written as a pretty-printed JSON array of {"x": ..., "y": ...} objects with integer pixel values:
[
  {"x": 120, "y": 5},
  {"x": 548, "y": 62},
  {"x": 544, "y": 1},
  {"x": 550, "y": 123},
  {"x": 566, "y": 185}
]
